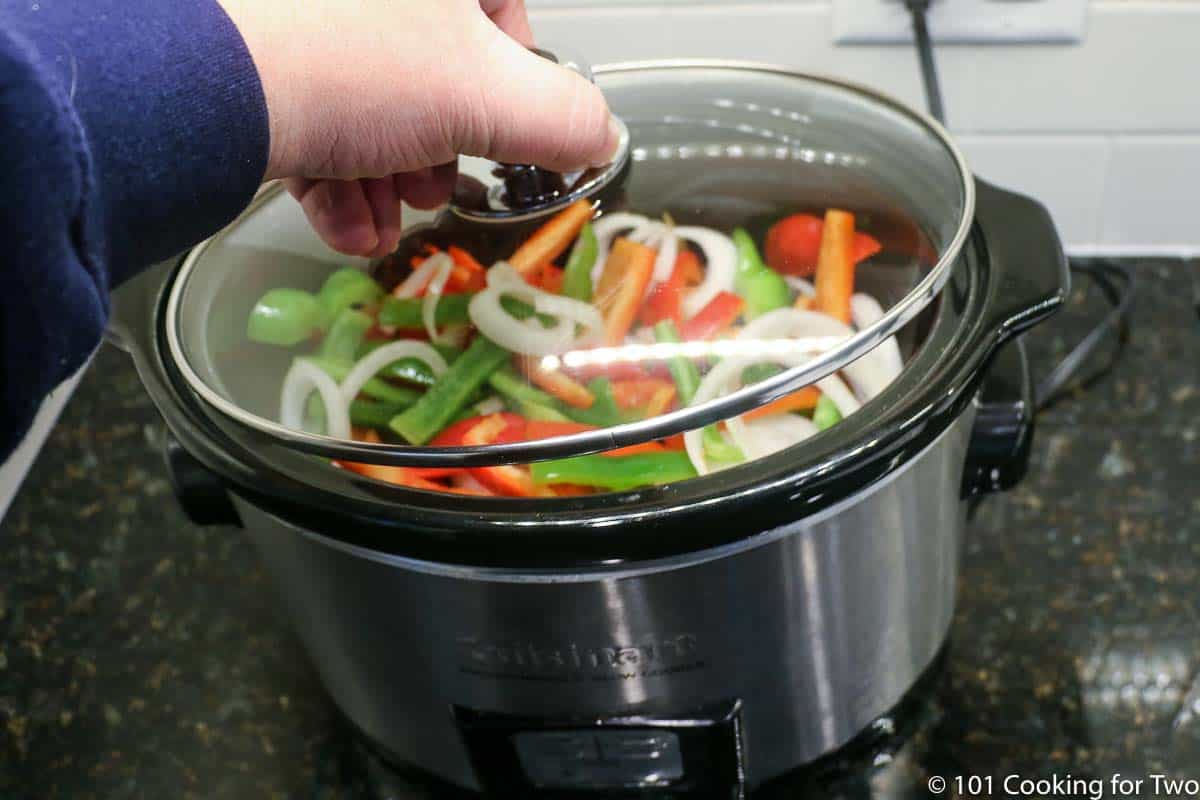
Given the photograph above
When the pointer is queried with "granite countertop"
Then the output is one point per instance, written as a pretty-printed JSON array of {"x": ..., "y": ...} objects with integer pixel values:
[{"x": 142, "y": 656}]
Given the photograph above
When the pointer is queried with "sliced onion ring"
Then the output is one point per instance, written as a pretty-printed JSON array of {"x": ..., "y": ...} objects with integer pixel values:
[
  {"x": 866, "y": 311},
  {"x": 802, "y": 285},
  {"x": 433, "y": 294},
  {"x": 529, "y": 336},
  {"x": 417, "y": 281},
  {"x": 664, "y": 262},
  {"x": 377, "y": 359},
  {"x": 301, "y": 379},
  {"x": 870, "y": 374},
  {"x": 768, "y": 435},
  {"x": 720, "y": 256}
]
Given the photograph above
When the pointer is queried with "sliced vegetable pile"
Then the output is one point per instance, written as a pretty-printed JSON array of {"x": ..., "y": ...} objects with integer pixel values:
[{"x": 553, "y": 342}]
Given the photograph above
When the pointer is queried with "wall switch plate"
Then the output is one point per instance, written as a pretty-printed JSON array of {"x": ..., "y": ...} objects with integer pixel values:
[{"x": 962, "y": 21}]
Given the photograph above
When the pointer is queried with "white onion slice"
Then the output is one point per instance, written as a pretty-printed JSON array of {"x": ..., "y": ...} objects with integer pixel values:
[
  {"x": 302, "y": 378},
  {"x": 721, "y": 257},
  {"x": 768, "y": 435},
  {"x": 529, "y": 336},
  {"x": 866, "y": 311},
  {"x": 492, "y": 405},
  {"x": 715, "y": 383},
  {"x": 377, "y": 359},
  {"x": 414, "y": 283},
  {"x": 664, "y": 262},
  {"x": 801, "y": 285},
  {"x": 869, "y": 374},
  {"x": 836, "y": 390},
  {"x": 433, "y": 294}
]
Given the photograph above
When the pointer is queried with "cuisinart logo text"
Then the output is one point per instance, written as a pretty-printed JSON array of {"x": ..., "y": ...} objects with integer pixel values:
[{"x": 575, "y": 662}]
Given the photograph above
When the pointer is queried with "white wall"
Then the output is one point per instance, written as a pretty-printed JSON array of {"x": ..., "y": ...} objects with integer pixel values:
[{"x": 1107, "y": 132}]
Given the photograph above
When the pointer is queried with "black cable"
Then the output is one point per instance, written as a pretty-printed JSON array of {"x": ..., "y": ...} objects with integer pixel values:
[
  {"x": 929, "y": 75},
  {"x": 1118, "y": 282}
]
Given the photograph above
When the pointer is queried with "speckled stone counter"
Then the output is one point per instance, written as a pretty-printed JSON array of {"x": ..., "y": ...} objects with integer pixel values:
[{"x": 141, "y": 656}]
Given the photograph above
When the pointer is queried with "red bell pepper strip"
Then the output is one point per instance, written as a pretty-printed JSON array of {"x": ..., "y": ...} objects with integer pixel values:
[
  {"x": 721, "y": 312},
  {"x": 468, "y": 275},
  {"x": 666, "y": 298},
  {"x": 510, "y": 481},
  {"x": 549, "y": 278},
  {"x": 793, "y": 245},
  {"x": 548, "y": 430}
]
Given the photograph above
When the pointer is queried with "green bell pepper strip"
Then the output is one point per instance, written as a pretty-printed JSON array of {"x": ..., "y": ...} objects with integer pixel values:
[
  {"x": 761, "y": 287},
  {"x": 683, "y": 370},
  {"x": 687, "y": 381},
  {"x": 604, "y": 411},
  {"x": 406, "y": 313},
  {"x": 375, "y": 414},
  {"x": 577, "y": 275},
  {"x": 759, "y": 372},
  {"x": 346, "y": 288},
  {"x": 826, "y": 414},
  {"x": 453, "y": 390},
  {"x": 512, "y": 387},
  {"x": 719, "y": 448},
  {"x": 541, "y": 413},
  {"x": 286, "y": 317},
  {"x": 376, "y": 388},
  {"x": 345, "y": 335},
  {"x": 411, "y": 370},
  {"x": 616, "y": 473},
  {"x": 341, "y": 342}
]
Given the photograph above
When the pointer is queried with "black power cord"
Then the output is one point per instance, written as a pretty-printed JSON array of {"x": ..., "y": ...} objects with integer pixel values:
[
  {"x": 919, "y": 9},
  {"x": 1116, "y": 281}
]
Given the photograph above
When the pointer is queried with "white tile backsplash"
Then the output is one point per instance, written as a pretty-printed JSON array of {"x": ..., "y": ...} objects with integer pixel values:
[
  {"x": 1153, "y": 192},
  {"x": 1040, "y": 118},
  {"x": 1066, "y": 173}
]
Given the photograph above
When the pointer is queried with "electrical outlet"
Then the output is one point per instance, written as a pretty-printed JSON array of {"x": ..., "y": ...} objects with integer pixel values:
[{"x": 961, "y": 21}]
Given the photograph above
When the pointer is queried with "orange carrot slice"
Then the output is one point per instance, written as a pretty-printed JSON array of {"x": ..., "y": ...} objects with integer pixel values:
[
  {"x": 803, "y": 400},
  {"x": 621, "y": 287},
  {"x": 835, "y": 265},
  {"x": 559, "y": 384},
  {"x": 549, "y": 241}
]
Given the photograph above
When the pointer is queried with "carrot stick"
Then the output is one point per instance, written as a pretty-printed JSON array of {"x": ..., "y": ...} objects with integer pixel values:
[
  {"x": 835, "y": 265},
  {"x": 558, "y": 384},
  {"x": 806, "y": 302},
  {"x": 621, "y": 287},
  {"x": 803, "y": 400},
  {"x": 550, "y": 240}
]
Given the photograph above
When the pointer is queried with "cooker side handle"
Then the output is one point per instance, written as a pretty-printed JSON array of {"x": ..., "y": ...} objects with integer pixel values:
[
  {"x": 202, "y": 495},
  {"x": 1028, "y": 274},
  {"x": 1002, "y": 435}
]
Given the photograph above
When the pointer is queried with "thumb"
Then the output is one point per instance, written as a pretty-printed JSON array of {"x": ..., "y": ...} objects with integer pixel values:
[{"x": 533, "y": 111}]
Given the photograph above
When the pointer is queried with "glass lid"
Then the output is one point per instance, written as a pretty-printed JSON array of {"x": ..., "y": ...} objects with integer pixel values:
[{"x": 744, "y": 283}]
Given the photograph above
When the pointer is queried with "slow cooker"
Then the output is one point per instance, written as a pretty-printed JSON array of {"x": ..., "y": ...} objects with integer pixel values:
[{"x": 698, "y": 638}]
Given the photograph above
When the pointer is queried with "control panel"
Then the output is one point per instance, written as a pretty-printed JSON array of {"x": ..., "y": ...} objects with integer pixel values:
[{"x": 692, "y": 755}]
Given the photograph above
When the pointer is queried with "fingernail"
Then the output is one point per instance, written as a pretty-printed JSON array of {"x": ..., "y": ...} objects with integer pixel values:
[{"x": 615, "y": 131}]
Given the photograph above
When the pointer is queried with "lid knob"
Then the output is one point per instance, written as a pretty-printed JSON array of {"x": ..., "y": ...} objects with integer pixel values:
[{"x": 490, "y": 191}]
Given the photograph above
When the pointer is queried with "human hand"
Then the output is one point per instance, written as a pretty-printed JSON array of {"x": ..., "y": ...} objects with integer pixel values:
[{"x": 371, "y": 102}]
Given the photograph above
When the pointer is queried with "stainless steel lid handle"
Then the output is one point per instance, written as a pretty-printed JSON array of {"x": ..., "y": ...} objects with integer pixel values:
[{"x": 488, "y": 191}]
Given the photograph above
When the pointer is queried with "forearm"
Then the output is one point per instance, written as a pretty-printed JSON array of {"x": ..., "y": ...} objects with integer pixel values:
[{"x": 130, "y": 130}]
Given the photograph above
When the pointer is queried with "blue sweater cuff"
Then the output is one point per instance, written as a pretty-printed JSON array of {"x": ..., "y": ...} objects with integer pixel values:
[{"x": 172, "y": 111}]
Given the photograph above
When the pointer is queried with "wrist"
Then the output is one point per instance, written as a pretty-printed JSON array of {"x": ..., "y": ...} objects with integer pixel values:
[{"x": 260, "y": 25}]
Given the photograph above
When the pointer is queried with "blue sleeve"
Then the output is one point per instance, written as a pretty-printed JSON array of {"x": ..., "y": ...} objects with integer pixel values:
[{"x": 129, "y": 129}]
